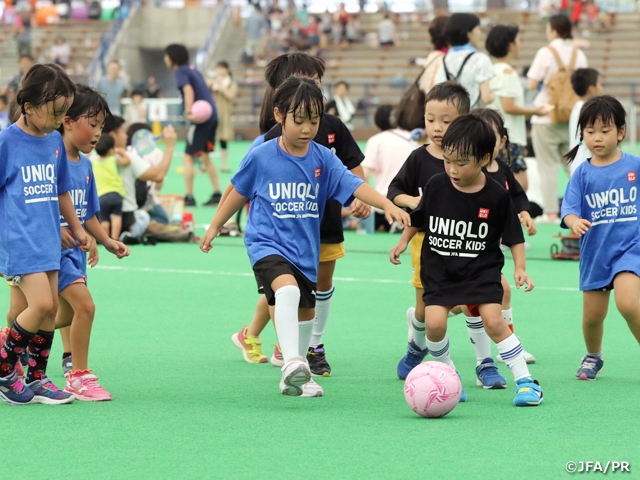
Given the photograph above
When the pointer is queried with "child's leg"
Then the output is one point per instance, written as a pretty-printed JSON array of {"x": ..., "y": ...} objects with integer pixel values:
[
  {"x": 480, "y": 341},
  {"x": 17, "y": 305},
  {"x": 261, "y": 317},
  {"x": 595, "y": 305},
  {"x": 79, "y": 299},
  {"x": 417, "y": 321},
  {"x": 323, "y": 302},
  {"x": 63, "y": 322},
  {"x": 436, "y": 330},
  {"x": 417, "y": 349},
  {"x": 212, "y": 172},
  {"x": 285, "y": 315},
  {"x": 224, "y": 156},
  {"x": 187, "y": 162},
  {"x": 116, "y": 226},
  {"x": 507, "y": 314},
  {"x": 626, "y": 289}
]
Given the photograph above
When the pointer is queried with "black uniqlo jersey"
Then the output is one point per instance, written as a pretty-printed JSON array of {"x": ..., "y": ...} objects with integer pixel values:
[
  {"x": 461, "y": 259},
  {"x": 334, "y": 135},
  {"x": 504, "y": 176}
]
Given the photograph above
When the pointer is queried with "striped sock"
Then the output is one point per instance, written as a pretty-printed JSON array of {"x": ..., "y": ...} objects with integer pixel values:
[
  {"x": 418, "y": 332},
  {"x": 479, "y": 338},
  {"x": 323, "y": 307},
  {"x": 512, "y": 353},
  {"x": 440, "y": 351}
]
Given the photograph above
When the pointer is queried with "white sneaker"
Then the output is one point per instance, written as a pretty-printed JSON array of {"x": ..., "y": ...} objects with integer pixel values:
[
  {"x": 410, "y": 314},
  {"x": 312, "y": 389},
  {"x": 295, "y": 373}
]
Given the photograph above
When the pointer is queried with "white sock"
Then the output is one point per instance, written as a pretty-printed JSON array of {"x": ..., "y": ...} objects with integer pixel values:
[
  {"x": 479, "y": 338},
  {"x": 599, "y": 354},
  {"x": 323, "y": 307},
  {"x": 418, "y": 332},
  {"x": 304, "y": 337},
  {"x": 440, "y": 351},
  {"x": 512, "y": 353},
  {"x": 286, "y": 320},
  {"x": 508, "y": 317}
]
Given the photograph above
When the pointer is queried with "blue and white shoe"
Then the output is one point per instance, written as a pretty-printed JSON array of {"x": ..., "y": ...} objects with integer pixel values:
[
  {"x": 414, "y": 357},
  {"x": 488, "y": 376},
  {"x": 67, "y": 365},
  {"x": 45, "y": 392},
  {"x": 463, "y": 394},
  {"x": 591, "y": 366},
  {"x": 528, "y": 393},
  {"x": 13, "y": 391}
]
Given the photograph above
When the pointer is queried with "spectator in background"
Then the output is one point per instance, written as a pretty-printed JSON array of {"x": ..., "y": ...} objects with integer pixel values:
[
  {"x": 136, "y": 112},
  {"x": 60, "y": 52},
  {"x": 387, "y": 32},
  {"x": 342, "y": 17},
  {"x": 551, "y": 140},
  {"x": 586, "y": 83},
  {"x": 153, "y": 89},
  {"x": 433, "y": 62},
  {"x": 384, "y": 155},
  {"x": 4, "y": 112},
  {"x": 255, "y": 26},
  {"x": 112, "y": 87},
  {"x": 224, "y": 91},
  {"x": 340, "y": 105},
  {"x": 25, "y": 62},
  {"x": 22, "y": 27}
]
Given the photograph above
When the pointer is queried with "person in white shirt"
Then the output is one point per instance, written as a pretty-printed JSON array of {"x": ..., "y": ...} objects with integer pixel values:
[
  {"x": 586, "y": 83},
  {"x": 551, "y": 140},
  {"x": 60, "y": 52},
  {"x": 387, "y": 32},
  {"x": 340, "y": 105},
  {"x": 384, "y": 155}
]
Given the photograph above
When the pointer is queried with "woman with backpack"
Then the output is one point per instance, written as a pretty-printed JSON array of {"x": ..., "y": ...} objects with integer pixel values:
[{"x": 552, "y": 67}]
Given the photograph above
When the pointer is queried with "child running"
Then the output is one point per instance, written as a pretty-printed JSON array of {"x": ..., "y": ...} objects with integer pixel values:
[
  {"x": 601, "y": 206},
  {"x": 288, "y": 180},
  {"x": 34, "y": 186},
  {"x": 467, "y": 216}
]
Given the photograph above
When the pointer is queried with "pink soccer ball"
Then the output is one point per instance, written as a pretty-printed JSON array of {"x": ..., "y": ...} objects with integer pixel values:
[
  {"x": 432, "y": 389},
  {"x": 201, "y": 111}
]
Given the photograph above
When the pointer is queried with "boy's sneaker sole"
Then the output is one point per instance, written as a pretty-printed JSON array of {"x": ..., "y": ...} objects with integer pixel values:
[{"x": 294, "y": 375}]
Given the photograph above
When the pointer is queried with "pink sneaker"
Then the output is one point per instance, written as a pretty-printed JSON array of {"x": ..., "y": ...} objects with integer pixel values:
[
  {"x": 84, "y": 386},
  {"x": 276, "y": 359}
]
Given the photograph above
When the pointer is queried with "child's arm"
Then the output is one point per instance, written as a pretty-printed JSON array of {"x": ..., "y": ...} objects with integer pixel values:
[
  {"x": 407, "y": 235},
  {"x": 527, "y": 222},
  {"x": 509, "y": 106},
  {"x": 578, "y": 226},
  {"x": 122, "y": 159},
  {"x": 369, "y": 196},
  {"x": 407, "y": 201},
  {"x": 67, "y": 238},
  {"x": 231, "y": 205},
  {"x": 360, "y": 209},
  {"x": 94, "y": 256},
  {"x": 119, "y": 249},
  {"x": 68, "y": 212},
  {"x": 519, "y": 261}
]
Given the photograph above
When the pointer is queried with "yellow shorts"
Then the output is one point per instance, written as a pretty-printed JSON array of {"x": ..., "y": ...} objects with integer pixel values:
[
  {"x": 331, "y": 251},
  {"x": 10, "y": 283},
  {"x": 416, "y": 251}
]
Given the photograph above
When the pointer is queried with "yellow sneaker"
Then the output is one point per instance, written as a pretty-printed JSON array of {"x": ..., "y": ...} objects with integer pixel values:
[{"x": 250, "y": 346}]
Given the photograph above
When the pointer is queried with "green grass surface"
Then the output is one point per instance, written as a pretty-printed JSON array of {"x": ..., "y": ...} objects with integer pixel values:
[{"x": 187, "y": 406}]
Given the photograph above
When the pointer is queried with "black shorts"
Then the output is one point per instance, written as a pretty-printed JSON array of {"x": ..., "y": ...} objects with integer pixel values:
[
  {"x": 110, "y": 204},
  {"x": 609, "y": 287},
  {"x": 269, "y": 268},
  {"x": 201, "y": 138},
  {"x": 128, "y": 219}
]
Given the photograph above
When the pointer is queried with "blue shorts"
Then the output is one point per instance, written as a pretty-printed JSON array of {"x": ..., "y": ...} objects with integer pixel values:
[{"x": 70, "y": 272}]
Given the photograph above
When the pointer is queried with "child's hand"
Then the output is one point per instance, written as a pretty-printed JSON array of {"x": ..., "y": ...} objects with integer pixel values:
[
  {"x": 94, "y": 256},
  {"x": 522, "y": 278},
  {"x": 360, "y": 209},
  {"x": 544, "y": 109},
  {"x": 210, "y": 234},
  {"x": 67, "y": 238},
  {"x": 170, "y": 136},
  {"x": 119, "y": 249},
  {"x": 399, "y": 215},
  {"x": 414, "y": 202},
  {"x": 84, "y": 240},
  {"x": 527, "y": 222},
  {"x": 399, "y": 249},
  {"x": 580, "y": 227}
]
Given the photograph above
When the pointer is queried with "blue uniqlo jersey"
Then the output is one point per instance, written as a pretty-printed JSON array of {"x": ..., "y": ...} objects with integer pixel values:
[
  {"x": 288, "y": 195},
  {"x": 33, "y": 172},
  {"x": 84, "y": 195},
  {"x": 608, "y": 198}
]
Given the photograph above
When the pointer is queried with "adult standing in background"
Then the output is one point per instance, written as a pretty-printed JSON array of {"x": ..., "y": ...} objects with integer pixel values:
[
  {"x": 224, "y": 90},
  {"x": 433, "y": 63},
  {"x": 551, "y": 140},
  {"x": 201, "y": 137},
  {"x": 112, "y": 87},
  {"x": 25, "y": 62},
  {"x": 153, "y": 89},
  {"x": 256, "y": 25}
]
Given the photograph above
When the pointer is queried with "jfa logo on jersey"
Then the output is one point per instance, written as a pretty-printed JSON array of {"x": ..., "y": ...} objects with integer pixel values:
[
  {"x": 483, "y": 213},
  {"x": 317, "y": 172},
  {"x": 57, "y": 153},
  {"x": 88, "y": 179},
  {"x": 631, "y": 176},
  {"x": 506, "y": 185},
  {"x": 331, "y": 138}
]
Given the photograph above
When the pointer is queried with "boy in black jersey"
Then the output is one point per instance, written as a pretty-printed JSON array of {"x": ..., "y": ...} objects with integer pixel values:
[
  {"x": 445, "y": 102},
  {"x": 466, "y": 216}
]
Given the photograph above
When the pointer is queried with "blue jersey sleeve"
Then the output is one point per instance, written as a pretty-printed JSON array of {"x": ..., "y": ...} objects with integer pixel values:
[
  {"x": 64, "y": 177},
  {"x": 571, "y": 204},
  {"x": 93, "y": 202},
  {"x": 245, "y": 181},
  {"x": 340, "y": 181}
]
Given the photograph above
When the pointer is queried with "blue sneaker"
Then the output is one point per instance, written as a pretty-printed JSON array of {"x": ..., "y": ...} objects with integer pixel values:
[
  {"x": 463, "y": 394},
  {"x": 13, "y": 391},
  {"x": 67, "y": 365},
  {"x": 488, "y": 376},
  {"x": 45, "y": 392},
  {"x": 528, "y": 393},
  {"x": 591, "y": 366},
  {"x": 414, "y": 357}
]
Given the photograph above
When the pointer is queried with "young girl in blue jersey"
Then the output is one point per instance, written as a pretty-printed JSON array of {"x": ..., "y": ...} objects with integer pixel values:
[
  {"x": 601, "y": 206},
  {"x": 288, "y": 180},
  {"x": 34, "y": 186}
]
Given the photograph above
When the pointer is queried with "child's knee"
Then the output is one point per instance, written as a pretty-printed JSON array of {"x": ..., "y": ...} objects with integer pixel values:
[
  {"x": 85, "y": 309},
  {"x": 628, "y": 306}
]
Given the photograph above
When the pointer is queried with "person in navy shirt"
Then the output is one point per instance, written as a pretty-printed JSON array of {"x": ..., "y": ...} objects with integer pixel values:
[
  {"x": 601, "y": 206},
  {"x": 201, "y": 137},
  {"x": 288, "y": 181}
]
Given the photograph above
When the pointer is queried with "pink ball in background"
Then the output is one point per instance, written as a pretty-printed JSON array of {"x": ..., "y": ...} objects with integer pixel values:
[
  {"x": 201, "y": 111},
  {"x": 432, "y": 389}
]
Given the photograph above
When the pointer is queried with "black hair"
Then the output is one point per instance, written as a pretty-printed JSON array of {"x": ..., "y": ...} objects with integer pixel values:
[
  {"x": 437, "y": 32},
  {"x": 43, "y": 84},
  {"x": 458, "y": 28},
  {"x": 342, "y": 82},
  {"x": 178, "y": 54},
  {"x": 299, "y": 93},
  {"x": 134, "y": 127},
  {"x": 106, "y": 143},
  {"x": 582, "y": 79},
  {"x": 382, "y": 117},
  {"x": 499, "y": 39},
  {"x": 561, "y": 24},
  {"x": 137, "y": 91},
  {"x": 87, "y": 103},
  {"x": 295, "y": 63},
  {"x": 493, "y": 118},
  {"x": 471, "y": 136},
  {"x": 450, "y": 92},
  {"x": 605, "y": 108},
  {"x": 224, "y": 64},
  {"x": 113, "y": 123},
  {"x": 4, "y": 99},
  {"x": 266, "y": 120}
]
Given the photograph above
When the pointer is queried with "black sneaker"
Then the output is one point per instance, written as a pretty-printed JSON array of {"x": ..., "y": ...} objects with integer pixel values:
[
  {"x": 318, "y": 362},
  {"x": 189, "y": 201},
  {"x": 214, "y": 200}
]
